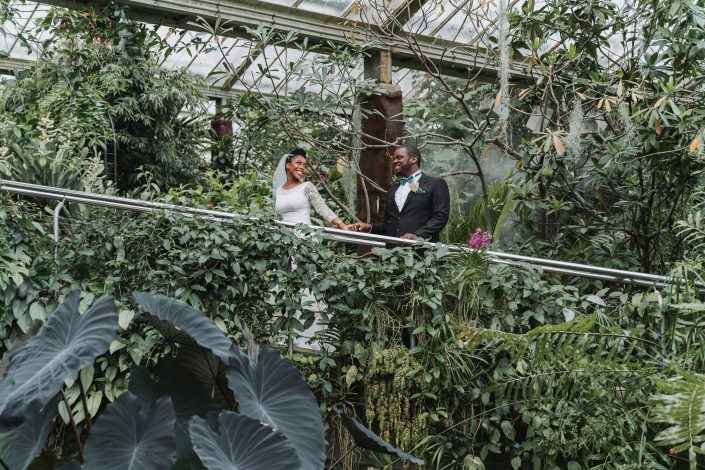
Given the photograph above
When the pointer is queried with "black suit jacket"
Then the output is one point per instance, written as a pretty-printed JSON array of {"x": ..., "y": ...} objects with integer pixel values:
[{"x": 424, "y": 214}]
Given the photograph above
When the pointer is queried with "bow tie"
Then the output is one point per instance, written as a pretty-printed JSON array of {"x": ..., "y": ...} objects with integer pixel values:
[{"x": 406, "y": 180}]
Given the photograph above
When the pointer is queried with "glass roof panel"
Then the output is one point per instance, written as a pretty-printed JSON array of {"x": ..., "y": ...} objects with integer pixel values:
[
  {"x": 265, "y": 73},
  {"x": 453, "y": 20},
  {"x": 464, "y": 21},
  {"x": 25, "y": 24},
  {"x": 462, "y": 26},
  {"x": 374, "y": 11},
  {"x": 329, "y": 7}
]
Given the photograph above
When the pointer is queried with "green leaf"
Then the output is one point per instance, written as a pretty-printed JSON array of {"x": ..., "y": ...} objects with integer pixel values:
[
  {"x": 366, "y": 439},
  {"x": 124, "y": 318},
  {"x": 508, "y": 429},
  {"x": 209, "y": 372},
  {"x": 67, "y": 343},
  {"x": 238, "y": 442},
  {"x": 126, "y": 437},
  {"x": 507, "y": 209},
  {"x": 187, "y": 396},
  {"x": 21, "y": 445},
  {"x": 473, "y": 462},
  {"x": 595, "y": 299},
  {"x": 36, "y": 311},
  {"x": 516, "y": 462},
  {"x": 271, "y": 390},
  {"x": 183, "y": 324}
]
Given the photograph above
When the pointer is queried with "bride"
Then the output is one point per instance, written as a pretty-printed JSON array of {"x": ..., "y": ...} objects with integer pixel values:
[{"x": 293, "y": 198}]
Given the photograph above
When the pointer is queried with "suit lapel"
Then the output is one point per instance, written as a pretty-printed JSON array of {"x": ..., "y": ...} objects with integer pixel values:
[{"x": 392, "y": 202}]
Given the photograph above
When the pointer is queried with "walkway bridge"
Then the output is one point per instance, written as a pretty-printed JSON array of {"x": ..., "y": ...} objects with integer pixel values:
[{"x": 362, "y": 239}]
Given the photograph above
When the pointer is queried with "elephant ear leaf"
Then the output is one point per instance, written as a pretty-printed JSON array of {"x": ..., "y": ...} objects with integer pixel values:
[
  {"x": 237, "y": 441},
  {"x": 366, "y": 439},
  {"x": 209, "y": 372},
  {"x": 67, "y": 343},
  {"x": 20, "y": 446},
  {"x": 183, "y": 324},
  {"x": 271, "y": 390},
  {"x": 127, "y": 437}
]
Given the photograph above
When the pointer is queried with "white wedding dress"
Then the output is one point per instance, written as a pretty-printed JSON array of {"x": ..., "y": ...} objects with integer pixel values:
[{"x": 294, "y": 205}]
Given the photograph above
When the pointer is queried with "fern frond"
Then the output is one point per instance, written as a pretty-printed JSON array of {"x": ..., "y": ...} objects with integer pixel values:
[
  {"x": 562, "y": 362},
  {"x": 692, "y": 230},
  {"x": 681, "y": 405},
  {"x": 692, "y": 307}
]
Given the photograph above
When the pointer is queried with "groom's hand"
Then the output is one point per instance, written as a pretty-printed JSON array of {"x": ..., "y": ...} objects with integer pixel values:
[
  {"x": 409, "y": 236},
  {"x": 362, "y": 227}
]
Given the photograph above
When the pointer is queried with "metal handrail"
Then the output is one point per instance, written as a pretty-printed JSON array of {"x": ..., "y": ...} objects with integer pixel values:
[{"x": 358, "y": 238}]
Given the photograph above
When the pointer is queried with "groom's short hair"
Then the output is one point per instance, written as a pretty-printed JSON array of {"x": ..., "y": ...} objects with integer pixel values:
[{"x": 412, "y": 151}]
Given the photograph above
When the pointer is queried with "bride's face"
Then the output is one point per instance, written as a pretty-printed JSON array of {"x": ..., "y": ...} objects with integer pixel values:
[{"x": 297, "y": 168}]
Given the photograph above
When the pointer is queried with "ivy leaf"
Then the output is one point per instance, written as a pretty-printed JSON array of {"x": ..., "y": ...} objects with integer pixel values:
[{"x": 596, "y": 300}]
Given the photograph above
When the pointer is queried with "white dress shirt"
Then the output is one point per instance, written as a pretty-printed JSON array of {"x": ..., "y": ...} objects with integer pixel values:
[{"x": 404, "y": 190}]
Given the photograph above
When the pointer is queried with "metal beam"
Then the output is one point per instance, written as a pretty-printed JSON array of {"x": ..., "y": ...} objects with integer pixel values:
[
  {"x": 450, "y": 58},
  {"x": 13, "y": 66}
]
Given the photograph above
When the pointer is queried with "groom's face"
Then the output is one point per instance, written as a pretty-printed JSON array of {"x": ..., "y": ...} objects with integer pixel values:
[{"x": 402, "y": 164}]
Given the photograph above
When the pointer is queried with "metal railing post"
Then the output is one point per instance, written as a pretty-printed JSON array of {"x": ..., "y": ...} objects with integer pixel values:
[{"x": 57, "y": 214}]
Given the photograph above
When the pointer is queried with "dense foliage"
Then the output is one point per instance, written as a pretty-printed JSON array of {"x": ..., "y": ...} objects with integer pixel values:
[
  {"x": 443, "y": 355},
  {"x": 100, "y": 94},
  {"x": 619, "y": 95},
  {"x": 489, "y": 376}
]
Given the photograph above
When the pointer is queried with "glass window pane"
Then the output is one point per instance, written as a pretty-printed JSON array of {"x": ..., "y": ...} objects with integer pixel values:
[{"x": 329, "y": 7}]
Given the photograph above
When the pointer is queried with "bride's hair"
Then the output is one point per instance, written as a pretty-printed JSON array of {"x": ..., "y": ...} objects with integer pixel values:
[{"x": 294, "y": 153}]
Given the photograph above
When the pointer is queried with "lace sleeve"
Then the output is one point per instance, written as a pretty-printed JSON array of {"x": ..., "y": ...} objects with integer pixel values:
[{"x": 318, "y": 203}]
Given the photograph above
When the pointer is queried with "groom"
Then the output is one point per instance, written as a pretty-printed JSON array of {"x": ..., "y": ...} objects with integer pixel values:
[{"x": 417, "y": 206}]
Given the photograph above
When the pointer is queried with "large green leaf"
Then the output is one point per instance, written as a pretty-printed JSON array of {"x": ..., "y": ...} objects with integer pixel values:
[
  {"x": 241, "y": 443},
  {"x": 209, "y": 372},
  {"x": 67, "y": 343},
  {"x": 21, "y": 445},
  {"x": 271, "y": 390},
  {"x": 129, "y": 437},
  {"x": 187, "y": 396},
  {"x": 366, "y": 439},
  {"x": 183, "y": 324}
]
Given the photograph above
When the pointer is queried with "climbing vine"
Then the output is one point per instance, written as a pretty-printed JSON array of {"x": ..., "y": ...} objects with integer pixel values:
[{"x": 394, "y": 389}]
